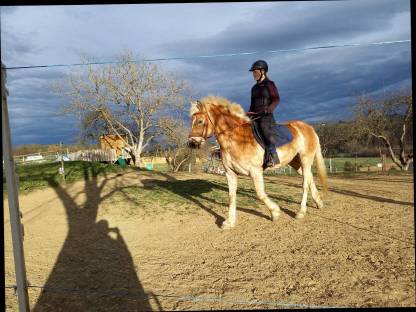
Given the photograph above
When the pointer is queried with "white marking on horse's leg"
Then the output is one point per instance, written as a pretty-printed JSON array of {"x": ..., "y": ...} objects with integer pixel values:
[
  {"x": 261, "y": 194},
  {"x": 315, "y": 194},
  {"x": 232, "y": 196},
  {"x": 306, "y": 178}
]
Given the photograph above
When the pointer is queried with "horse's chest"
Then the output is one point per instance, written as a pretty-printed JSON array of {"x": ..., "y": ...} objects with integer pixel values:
[{"x": 236, "y": 166}]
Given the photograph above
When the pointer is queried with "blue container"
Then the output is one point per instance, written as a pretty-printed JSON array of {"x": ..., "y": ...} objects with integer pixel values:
[{"x": 149, "y": 166}]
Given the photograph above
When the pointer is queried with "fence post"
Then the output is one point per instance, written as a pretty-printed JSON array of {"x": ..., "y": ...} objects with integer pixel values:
[
  {"x": 16, "y": 226},
  {"x": 330, "y": 165},
  {"x": 62, "y": 171},
  {"x": 356, "y": 168}
]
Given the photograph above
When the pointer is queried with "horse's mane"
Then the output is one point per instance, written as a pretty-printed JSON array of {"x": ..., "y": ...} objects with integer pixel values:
[{"x": 235, "y": 109}]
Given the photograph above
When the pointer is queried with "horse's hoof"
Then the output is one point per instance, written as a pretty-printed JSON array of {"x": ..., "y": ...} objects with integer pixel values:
[
  {"x": 275, "y": 216},
  {"x": 300, "y": 215},
  {"x": 226, "y": 225}
]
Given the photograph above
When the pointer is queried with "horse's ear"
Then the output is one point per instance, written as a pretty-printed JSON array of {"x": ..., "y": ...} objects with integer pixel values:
[
  {"x": 194, "y": 107},
  {"x": 199, "y": 105}
]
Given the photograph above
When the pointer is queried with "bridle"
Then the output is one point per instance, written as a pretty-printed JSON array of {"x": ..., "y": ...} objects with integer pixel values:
[{"x": 227, "y": 130}]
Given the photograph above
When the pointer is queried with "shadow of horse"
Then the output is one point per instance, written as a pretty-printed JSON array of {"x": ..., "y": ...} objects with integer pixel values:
[
  {"x": 195, "y": 190},
  {"x": 355, "y": 194},
  {"x": 94, "y": 270}
]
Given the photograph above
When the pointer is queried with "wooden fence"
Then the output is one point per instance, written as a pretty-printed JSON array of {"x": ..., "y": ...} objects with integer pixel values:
[{"x": 108, "y": 155}]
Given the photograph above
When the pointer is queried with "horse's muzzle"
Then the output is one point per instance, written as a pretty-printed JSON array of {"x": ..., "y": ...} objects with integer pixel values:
[{"x": 195, "y": 142}]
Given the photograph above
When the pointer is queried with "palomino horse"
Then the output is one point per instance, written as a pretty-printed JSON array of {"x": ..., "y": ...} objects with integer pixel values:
[{"x": 241, "y": 154}]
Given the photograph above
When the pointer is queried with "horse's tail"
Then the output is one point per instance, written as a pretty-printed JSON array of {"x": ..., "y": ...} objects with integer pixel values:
[{"x": 320, "y": 164}]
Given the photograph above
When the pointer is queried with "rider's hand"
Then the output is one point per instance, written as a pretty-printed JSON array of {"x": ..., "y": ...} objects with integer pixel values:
[{"x": 268, "y": 110}]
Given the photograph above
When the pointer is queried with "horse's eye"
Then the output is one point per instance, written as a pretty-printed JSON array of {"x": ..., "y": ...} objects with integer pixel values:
[{"x": 200, "y": 122}]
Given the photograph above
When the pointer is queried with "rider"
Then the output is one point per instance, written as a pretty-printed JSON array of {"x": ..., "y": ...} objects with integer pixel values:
[{"x": 264, "y": 99}]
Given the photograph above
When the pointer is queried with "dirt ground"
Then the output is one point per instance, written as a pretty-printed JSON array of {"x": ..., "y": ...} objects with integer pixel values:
[{"x": 358, "y": 251}]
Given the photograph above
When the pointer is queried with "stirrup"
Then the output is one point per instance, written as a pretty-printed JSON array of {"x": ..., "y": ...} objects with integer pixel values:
[{"x": 275, "y": 159}]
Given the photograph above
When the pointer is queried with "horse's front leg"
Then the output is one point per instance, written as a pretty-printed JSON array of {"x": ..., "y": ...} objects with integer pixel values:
[
  {"x": 258, "y": 180},
  {"x": 232, "y": 194}
]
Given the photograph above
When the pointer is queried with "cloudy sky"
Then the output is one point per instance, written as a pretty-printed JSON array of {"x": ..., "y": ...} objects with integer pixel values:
[{"x": 314, "y": 85}]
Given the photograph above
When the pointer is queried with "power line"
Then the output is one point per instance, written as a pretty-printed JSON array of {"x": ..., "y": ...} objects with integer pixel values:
[{"x": 216, "y": 55}]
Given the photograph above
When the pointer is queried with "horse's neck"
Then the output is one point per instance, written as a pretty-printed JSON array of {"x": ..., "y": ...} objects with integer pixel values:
[
  {"x": 231, "y": 129},
  {"x": 226, "y": 123}
]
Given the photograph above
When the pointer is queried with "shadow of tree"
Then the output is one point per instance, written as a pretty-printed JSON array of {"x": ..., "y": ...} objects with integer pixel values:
[{"x": 94, "y": 270}]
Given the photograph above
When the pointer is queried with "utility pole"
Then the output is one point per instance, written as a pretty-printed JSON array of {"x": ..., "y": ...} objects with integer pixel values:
[{"x": 15, "y": 214}]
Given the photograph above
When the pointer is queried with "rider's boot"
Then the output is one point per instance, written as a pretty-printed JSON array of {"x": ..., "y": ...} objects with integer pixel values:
[{"x": 272, "y": 158}]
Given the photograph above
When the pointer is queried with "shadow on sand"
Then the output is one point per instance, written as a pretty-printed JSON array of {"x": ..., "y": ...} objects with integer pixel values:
[
  {"x": 194, "y": 190},
  {"x": 94, "y": 270}
]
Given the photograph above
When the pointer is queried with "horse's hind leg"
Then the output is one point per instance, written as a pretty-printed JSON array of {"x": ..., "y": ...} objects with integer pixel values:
[
  {"x": 315, "y": 194},
  {"x": 307, "y": 177},
  {"x": 296, "y": 164},
  {"x": 257, "y": 177}
]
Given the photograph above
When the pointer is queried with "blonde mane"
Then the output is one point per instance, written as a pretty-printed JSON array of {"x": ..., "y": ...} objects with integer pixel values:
[{"x": 235, "y": 109}]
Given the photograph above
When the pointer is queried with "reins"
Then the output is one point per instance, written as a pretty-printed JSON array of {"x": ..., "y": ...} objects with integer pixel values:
[{"x": 227, "y": 130}]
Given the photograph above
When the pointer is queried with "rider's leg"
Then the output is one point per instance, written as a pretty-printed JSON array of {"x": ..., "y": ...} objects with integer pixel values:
[{"x": 267, "y": 129}]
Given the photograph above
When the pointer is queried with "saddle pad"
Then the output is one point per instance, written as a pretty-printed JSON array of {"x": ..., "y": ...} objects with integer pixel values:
[{"x": 282, "y": 135}]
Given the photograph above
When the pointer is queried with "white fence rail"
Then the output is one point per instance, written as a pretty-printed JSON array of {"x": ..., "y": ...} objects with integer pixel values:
[{"x": 108, "y": 155}]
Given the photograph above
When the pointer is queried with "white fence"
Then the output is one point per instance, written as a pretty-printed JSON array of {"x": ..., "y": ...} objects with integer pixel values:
[
  {"x": 36, "y": 158},
  {"x": 108, "y": 155}
]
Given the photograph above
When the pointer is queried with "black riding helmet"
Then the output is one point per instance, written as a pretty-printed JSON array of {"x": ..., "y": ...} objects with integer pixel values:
[{"x": 260, "y": 64}]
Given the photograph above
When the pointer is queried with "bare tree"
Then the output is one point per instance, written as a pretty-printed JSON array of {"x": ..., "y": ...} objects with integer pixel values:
[
  {"x": 328, "y": 138},
  {"x": 388, "y": 119},
  {"x": 125, "y": 99},
  {"x": 176, "y": 151},
  {"x": 336, "y": 137}
]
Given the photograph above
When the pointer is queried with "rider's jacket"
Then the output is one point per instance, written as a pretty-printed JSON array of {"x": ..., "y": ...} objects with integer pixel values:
[{"x": 264, "y": 94}]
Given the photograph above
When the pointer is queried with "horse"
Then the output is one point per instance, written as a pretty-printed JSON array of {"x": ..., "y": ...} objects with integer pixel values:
[{"x": 243, "y": 155}]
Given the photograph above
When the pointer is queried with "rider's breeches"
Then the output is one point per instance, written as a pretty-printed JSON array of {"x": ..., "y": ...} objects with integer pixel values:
[{"x": 266, "y": 127}]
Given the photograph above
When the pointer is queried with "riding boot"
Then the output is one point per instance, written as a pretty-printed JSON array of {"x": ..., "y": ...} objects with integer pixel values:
[{"x": 272, "y": 158}]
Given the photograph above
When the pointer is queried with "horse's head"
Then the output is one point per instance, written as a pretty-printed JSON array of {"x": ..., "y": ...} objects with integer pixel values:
[{"x": 201, "y": 126}]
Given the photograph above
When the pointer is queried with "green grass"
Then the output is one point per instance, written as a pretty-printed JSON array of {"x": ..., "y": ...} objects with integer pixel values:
[
  {"x": 339, "y": 163},
  {"x": 37, "y": 176},
  {"x": 161, "y": 191},
  {"x": 158, "y": 196}
]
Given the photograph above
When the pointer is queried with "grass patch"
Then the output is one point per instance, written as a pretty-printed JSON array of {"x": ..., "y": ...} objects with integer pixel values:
[
  {"x": 37, "y": 176},
  {"x": 188, "y": 196}
]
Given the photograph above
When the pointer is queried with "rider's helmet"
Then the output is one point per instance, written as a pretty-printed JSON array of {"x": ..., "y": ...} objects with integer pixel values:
[{"x": 260, "y": 64}]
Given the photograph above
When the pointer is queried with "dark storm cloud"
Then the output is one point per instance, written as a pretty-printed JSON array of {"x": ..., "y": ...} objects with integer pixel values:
[
  {"x": 310, "y": 81},
  {"x": 296, "y": 25},
  {"x": 314, "y": 85},
  {"x": 308, "y": 78},
  {"x": 34, "y": 108}
]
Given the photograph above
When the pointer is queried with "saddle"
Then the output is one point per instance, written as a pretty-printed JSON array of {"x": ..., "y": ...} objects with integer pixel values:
[{"x": 282, "y": 135}]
